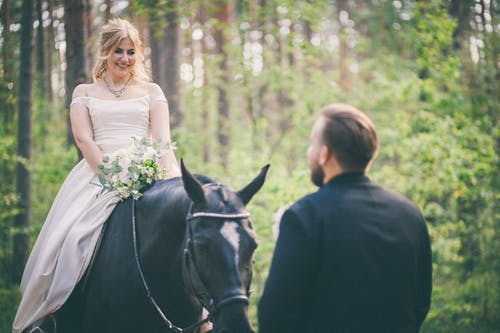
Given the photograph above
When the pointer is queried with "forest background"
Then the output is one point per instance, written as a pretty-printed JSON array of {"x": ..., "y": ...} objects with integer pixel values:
[{"x": 245, "y": 80}]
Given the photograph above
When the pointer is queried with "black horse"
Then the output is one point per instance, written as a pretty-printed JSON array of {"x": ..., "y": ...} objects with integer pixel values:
[{"x": 186, "y": 244}]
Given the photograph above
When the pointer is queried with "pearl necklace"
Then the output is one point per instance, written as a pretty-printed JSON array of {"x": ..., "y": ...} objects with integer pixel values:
[{"x": 116, "y": 92}]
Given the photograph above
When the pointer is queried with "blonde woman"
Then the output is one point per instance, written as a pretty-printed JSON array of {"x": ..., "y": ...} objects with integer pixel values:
[{"x": 104, "y": 116}]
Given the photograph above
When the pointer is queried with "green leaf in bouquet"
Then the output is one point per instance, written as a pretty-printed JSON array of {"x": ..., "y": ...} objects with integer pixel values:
[
  {"x": 102, "y": 179},
  {"x": 133, "y": 169}
]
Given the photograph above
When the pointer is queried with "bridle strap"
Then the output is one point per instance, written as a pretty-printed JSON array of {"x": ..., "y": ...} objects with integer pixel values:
[
  {"x": 217, "y": 215},
  {"x": 151, "y": 299},
  {"x": 228, "y": 216}
]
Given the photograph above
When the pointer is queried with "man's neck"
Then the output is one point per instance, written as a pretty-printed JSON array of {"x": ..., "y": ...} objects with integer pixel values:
[{"x": 331, "y": 171}]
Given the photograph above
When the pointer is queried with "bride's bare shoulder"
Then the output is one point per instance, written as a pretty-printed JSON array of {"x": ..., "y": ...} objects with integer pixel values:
[
  {"x": 85, "y": 89},
  {"x": 153, "y": 89}
]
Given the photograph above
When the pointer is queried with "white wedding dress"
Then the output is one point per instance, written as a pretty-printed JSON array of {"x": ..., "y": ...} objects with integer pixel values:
[{"x": 67, "y": 240}]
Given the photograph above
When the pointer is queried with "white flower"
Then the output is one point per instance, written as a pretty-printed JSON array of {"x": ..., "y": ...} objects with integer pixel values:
[{"x": 129, "y": 171}]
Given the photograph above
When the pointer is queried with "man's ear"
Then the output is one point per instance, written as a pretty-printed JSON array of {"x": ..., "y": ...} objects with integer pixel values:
[{"x": 324, "y": 155}]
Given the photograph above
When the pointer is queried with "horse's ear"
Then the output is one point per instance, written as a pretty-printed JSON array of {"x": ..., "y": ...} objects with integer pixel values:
[
  {"x": 192, "y": 185},
  {"x": 249, "y": 191}
]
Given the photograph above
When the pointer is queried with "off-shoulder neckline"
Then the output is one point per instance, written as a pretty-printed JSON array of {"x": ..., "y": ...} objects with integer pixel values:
[
  {"x": 115, "y": 100},
  {"x": 120, "y": 100}
]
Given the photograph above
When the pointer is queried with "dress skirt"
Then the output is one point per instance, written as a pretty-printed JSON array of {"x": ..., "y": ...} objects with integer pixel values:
[{"x": 64, "y": 246}]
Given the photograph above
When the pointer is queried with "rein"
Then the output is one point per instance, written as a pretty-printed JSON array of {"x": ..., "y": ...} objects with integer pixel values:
[{"x": 151, "y": 299}]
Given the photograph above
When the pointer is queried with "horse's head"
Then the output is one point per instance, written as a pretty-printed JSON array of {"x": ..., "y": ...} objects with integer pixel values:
[{"x": 219, "y": 245}]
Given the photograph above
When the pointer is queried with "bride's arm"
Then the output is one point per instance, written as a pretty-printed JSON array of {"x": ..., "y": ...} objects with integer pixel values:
[
  {"x": 81, "y": 125},
  {"x": 160, "y": 129}
]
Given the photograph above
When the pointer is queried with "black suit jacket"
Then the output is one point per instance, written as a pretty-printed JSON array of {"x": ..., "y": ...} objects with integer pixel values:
[{"x": 351, "y": 257}]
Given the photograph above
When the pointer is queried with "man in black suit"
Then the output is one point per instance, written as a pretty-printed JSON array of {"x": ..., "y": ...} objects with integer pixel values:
[{"x": 351, "y": 257}]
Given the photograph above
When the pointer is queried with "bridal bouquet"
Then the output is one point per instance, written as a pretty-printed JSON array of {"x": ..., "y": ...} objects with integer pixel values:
[{"x": 129, "y": 171}]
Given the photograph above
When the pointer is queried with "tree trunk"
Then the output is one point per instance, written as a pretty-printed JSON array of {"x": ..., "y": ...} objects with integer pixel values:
[
  {"x": 40, "y": 50},
  {"x": 345, "y": 52},
  {"x": 286, "y": 60},
  {"x": 155, "y": 55},
  {"x": 141, "y": 20},
  {"x": 249, "y": 83},
  {"x": 263, "y": 24},
  {"x": 50, "y": 51},
  {"x": 107, "y": 12},
  {"x": 155, "y": 40},
  {"x": 205, "y": 105},
  {"x": 262, "y": 20},
  {"x": 76, "y": 41},
  {"x": 223, "y": 12},
  {"x": 461, "y": 10},
  {"x": 307, "y": 26},
  {"x": 172, "y": 46},
  {"x": 23, "y": 173},
  {"x": 8, "y": 62},
  {"x": 89, "y": 63}
]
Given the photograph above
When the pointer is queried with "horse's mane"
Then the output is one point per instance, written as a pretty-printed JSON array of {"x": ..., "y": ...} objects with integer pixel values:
[{"x": 158, "y": 190}]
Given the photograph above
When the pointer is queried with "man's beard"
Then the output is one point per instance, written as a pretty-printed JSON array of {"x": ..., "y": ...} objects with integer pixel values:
[{"x": 317, "y": 175}]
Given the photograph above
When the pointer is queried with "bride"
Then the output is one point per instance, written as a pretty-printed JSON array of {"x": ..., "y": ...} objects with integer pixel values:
[{"x": 121, "y": 103}]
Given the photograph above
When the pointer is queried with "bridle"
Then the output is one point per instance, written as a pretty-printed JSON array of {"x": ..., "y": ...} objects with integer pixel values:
[
  {"x": 190, "y": 269},
  {"x": 190, "y": 273}
]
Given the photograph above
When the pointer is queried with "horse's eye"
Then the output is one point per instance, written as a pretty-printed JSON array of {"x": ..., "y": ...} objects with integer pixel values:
[{"x": 201, "y": 242}]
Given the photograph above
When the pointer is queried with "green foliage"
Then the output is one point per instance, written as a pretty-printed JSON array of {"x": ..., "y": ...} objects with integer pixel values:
[
  {"x": 8, "y": 162},
  {"x": 8, "y": 203},
  {"x": 8, "y": 101},
  {"x": 52, "y": 159},
  {"x": 431, "y": 38},
  {"x": 472, "y": 306},
  {"x": 445, "y": 165},
  {"x": 9, "y": 298}
]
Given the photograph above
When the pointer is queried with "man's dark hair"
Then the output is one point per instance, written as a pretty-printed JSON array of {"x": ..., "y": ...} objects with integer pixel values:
[{"x": 350, "y": 135}]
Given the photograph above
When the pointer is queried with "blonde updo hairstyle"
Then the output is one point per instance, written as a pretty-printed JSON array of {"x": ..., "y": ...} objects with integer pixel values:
[{"x": 110, "y": 37}]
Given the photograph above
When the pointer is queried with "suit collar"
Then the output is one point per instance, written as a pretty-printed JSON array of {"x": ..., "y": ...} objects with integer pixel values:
[{"x": 348, "y": 178}]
